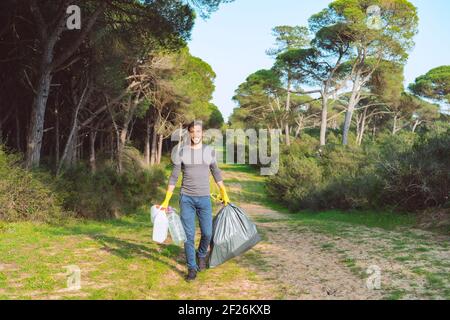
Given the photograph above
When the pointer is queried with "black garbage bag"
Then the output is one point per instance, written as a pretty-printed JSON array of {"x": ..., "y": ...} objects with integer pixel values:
[{"x": 233, "y": 234}]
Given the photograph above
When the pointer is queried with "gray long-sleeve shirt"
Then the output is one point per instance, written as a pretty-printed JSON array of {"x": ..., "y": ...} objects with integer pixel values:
[{"x": 195, "y": 165}]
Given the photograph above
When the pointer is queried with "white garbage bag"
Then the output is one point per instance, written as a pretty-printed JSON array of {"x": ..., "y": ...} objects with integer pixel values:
[
  {"x": 154, "y": 210},
  {"x": 160, "y": 224}
]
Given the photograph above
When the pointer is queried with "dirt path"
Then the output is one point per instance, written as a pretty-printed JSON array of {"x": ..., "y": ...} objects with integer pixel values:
[
  {"x": 307, "y": 262},
  {"x": 298, "y": 263}
]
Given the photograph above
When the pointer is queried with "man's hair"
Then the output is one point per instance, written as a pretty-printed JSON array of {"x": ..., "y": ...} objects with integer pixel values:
[{"x": 194, "y": 123}]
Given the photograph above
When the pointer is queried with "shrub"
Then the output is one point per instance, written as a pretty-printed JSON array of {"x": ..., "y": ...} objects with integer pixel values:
[
  {"x": 419, "y": 178},
  {"x": 25, "y": 195},
  {"x": 105, "y": 193},
  {"x": 349, "y": 180},
  {"x": 298, "y": 174},
  {"x": 404, "y": 171},
  {"x": 39, "y": 195}
]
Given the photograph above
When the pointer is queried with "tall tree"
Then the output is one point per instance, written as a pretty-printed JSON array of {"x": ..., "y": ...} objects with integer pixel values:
[
  {"x": 51, "y": 22},
  {"x": 412, "y": 111},
  {"x": 383, "y": 99},
  {"x": 41, "y": 28},
  {"x": 288, "y": 38},
  {"x": 321, "y": 66},
  {"x": 260, "y": 100},
  {"x": 434, "y": 85},
  {"x": 369, "y": 45}
]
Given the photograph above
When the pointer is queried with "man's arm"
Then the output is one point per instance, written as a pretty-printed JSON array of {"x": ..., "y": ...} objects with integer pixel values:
[{"x": 214, "y": 168}]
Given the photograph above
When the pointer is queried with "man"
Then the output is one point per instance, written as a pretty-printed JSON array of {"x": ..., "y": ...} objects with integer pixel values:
[{"x": 196, "y": 161}]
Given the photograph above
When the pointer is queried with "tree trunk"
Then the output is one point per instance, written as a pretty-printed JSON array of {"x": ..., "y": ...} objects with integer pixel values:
[
  {"x": 71, "y": 145},
  {"x": 125, "y": 131},
  {"x": 160, "y": 144},
  {"x": 4, "y": 120},
  {"x": 56, "y": 138},
  {"x": 48, "y": 65},
  {"x": 71, "y": 155},
  {"x": 323, "y": 120},
  {"x": 358, "y": 124},
  {"x": 394, "y": 127},
  {"x": 92, "y": 162},
  {"x": 362, "y": 127},
  {"x": 147, "y": 142},
  {"x": 297, "y": 131},
  {"x": 79, "y": 149},
  {"x": 130, "y": 130},
  {"x": 354, "y": 99},
  {"x": 288, "y": 107},
  {"x": 416, "y": 123},
  {"x": 334, "y": 125},
  {"x": 118, "y": 153},
  {"x": 111, "y": 146},
  {"x": 102, "y": 143},
  {"x": 36, "y": 128},
  {"x": 154, "y": 147},
  {"x": 122, "y": 138}
]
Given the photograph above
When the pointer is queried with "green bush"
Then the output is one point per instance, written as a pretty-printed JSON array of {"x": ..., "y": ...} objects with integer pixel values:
[
  {"x": 349, "y": 180},
  {"x": 26, "y": 195},
  {"x": 419, "y": 178},
  {"x": 298, "y": 175},
  {"x": 388, "y": 145},
  {"x": 404, "y": 171},
  {"x": 104, "y": 194},
  {"x": 327, "y": 177},
  {"x": 39, "y": 195},
  {"x": 296, "y": 180}
]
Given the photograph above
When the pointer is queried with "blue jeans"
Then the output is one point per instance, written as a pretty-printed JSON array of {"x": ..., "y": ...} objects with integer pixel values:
[{"x": 190, "y": 206}]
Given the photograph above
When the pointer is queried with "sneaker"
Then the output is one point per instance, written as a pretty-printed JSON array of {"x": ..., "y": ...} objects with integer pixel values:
[
  {"x": 192, "y": 274},
  {"x": 202, "y": 263}
]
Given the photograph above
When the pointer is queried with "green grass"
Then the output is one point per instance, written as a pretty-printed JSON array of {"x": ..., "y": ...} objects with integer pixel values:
[
  {"x": 254, "y": 258},
  {"x": 436, "y": 279},
  {"x": 239, "y": 168},
  {"x": 327, "y": 246},
  {"x": 405, "y": 258},
  {"x": 117, "y": 259},
  {"x": 396, "y": 294},
  {"x": 370, "y": 219}
]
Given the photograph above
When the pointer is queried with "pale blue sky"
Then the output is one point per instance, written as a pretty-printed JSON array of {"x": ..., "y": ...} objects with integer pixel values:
[{"x": 234, "y": 39}]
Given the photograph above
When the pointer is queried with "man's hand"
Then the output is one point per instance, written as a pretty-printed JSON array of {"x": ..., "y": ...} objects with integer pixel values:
[
  {"x": 165, "y": 204},
  {"x": 223, "y": 194}
]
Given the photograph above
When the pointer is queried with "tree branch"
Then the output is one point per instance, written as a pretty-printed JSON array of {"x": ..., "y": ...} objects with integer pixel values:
[
  {"x": 85, "y": 31},
  {"x": 34, "y": 8}
]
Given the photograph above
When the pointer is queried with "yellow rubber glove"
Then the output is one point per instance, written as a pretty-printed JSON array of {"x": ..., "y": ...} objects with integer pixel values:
[
  {"x": 165, "y": 203},
  {"x": 224, "y": 196}
]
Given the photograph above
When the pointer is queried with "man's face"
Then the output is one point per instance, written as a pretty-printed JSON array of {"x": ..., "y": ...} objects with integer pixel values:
[{"x": 196, "y": 134}]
